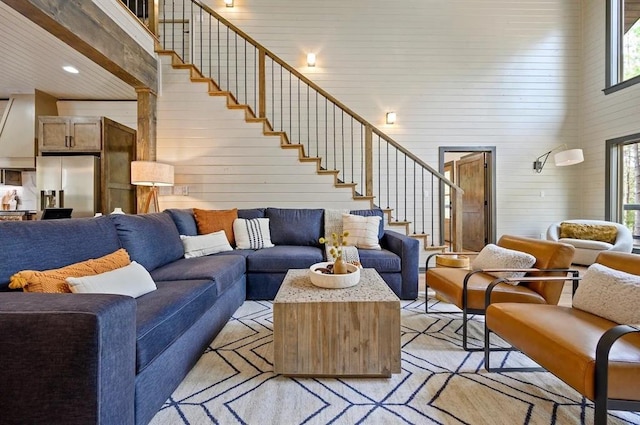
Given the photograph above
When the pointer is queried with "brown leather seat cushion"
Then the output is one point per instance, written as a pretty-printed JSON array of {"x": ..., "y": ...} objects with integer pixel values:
[
  {"x": 549, "y": 255},
  {"x": 448, "y": 284},
  {"x": 563, "y": 341}
]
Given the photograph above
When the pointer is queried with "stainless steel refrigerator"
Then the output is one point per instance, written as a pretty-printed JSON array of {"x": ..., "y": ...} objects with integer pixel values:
[{"x": 69, "y": 182}]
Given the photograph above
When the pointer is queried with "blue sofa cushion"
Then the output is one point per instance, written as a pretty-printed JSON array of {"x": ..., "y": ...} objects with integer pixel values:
[
  {"x": 374, "y": 212},
  {"x": 163, "y": 315},
  {"x": 151, "y": 239},
  {"x": 281, "y": 258},
  {"x": 51, "y": 244},
  {"x": 248, "y": 214},
  {"x": 383, "y": 261},
  {"x": 301, "y": 227},
  {"x": 184, "y": 221},
  {"x": 224, "y": 270}
]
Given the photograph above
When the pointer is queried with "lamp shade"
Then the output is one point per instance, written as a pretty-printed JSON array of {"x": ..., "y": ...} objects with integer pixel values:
[
  {"x": 568, "y": 157},
  {"x": 151, "y": 173}
]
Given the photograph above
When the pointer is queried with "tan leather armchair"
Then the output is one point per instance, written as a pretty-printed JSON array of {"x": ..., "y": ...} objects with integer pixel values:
[
  {"x": 597, "y": 357},
  {"x": 466, "y": 289}
]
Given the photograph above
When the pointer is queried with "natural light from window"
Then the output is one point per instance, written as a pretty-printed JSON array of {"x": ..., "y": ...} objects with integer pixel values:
[
  {"x": 631, "y": 187},
  {"x": 631, "y": 50}
]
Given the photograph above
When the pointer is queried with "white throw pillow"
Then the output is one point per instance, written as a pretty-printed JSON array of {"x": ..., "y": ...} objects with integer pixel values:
[
  {"x": 133, "y": 280},
  {"x": 609, "y": 293},
  {"x": 201, "y": 245},
  {"x": 496, "y": 257},
  {"x": 252, "y": 233},
  {"x": 363, "y": 231}
]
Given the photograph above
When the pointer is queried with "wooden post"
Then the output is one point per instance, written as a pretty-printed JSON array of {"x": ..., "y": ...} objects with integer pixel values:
[
  {"x": 368, "y": 160},
  {"x": 456, "y": 216},
  {"x": 262, "y": 83},
  {"x": 154, "y": 18},
  {"x": 146, "y": 136}
]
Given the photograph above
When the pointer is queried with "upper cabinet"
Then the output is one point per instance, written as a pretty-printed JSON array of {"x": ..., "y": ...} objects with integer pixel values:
[{"x": 70, "y": 134}]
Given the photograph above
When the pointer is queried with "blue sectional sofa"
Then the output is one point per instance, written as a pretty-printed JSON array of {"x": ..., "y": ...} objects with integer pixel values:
[{"x": 113, "y": 359}]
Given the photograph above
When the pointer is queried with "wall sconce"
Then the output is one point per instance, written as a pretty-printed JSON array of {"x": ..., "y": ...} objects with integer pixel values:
[
  {"x": 390, "y": 118},
  {"x": 228, "y": 3},
  {"x": 154, "y": 174},
  {"x": 563, "y": 158},
  {"x": 311, "y": 59}
]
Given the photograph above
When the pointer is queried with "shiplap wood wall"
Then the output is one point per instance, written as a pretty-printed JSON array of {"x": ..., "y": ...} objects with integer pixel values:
[
  {"x": 470, "y": 73},
  {"x": 224, "y": 161},
  {"x": 465, "y": 73}
]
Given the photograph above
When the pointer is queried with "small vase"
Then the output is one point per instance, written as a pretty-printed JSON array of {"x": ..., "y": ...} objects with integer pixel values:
[{"x": 339, "y": 266}]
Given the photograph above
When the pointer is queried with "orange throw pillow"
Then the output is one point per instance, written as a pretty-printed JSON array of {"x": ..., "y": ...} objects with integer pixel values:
[
  {"x": 209, "y": 221},
  {"x": 54, "y": 280}
]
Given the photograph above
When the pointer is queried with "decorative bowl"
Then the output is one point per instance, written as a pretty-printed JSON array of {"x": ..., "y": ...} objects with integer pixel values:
[
  {"x": 459, "y": 261},
  {"x": 334, "y": 281}
]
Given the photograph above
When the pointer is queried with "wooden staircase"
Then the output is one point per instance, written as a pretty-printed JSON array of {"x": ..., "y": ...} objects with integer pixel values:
[{"x": 416, "y": 209}]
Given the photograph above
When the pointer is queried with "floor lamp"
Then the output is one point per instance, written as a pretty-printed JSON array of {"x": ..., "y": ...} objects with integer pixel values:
[{"x": 154, "y": 174}]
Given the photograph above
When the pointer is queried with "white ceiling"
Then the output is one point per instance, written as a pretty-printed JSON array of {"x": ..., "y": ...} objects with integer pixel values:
[{"x": 31, "y": 58}]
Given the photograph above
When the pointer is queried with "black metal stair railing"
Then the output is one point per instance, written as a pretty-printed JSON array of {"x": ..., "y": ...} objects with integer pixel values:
[{"x": 342, "y": 141}]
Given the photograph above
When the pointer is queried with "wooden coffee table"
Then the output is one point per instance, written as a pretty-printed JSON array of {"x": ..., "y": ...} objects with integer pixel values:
[{"x": 336, "y": 332}]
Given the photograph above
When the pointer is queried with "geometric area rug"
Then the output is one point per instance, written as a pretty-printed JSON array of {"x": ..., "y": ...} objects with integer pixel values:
[{"x": 233, "y": 382}]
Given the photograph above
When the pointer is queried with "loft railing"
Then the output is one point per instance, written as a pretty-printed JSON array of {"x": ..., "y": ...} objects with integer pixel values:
[{"x": 342, "y": 141}]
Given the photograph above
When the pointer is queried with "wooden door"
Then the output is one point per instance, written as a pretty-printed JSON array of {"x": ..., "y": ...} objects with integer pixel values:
[
  {"x": 471, "y": 173},
  {"x": 119, "y": 150},
  {"x": 448, "y": 173}
]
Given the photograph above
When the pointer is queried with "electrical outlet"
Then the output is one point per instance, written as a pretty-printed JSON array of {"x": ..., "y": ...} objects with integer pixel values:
[{"x": 181, "y": 190}]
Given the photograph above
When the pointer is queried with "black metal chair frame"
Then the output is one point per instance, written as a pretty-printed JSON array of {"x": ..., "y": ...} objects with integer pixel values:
[
  {"x": 602, "y": 402},
  {"x": 470, "y": 311}
]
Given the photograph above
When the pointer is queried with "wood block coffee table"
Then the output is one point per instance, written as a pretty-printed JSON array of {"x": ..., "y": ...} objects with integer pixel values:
[{"x": 336, "y": 332}]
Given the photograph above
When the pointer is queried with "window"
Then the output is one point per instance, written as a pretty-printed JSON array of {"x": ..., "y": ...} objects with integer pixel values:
[
  {"x": 623, "y": 44},
  {"x": 623, "y": 183}
]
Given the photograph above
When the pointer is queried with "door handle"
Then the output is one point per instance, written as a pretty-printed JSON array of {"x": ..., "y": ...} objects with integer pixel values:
[
  {"x": 70, "y": 141},
  {"x": 66, "y": 141}
]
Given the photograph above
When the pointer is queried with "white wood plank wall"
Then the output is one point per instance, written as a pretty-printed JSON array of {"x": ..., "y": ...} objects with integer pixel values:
[
  {"x": 224, "y": 161},
  {"x": 465, "y": 73},
  {"x": 523, "y": 76}
]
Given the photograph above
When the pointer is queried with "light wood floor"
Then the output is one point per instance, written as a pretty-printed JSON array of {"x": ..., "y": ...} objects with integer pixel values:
[{"x": 565, "y": 298}]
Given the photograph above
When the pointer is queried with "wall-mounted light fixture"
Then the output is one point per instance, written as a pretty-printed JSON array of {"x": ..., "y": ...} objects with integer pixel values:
[
  {"x": 311, "y": 59},
  {"x": 228, "y": 3},
  {"x": 390, "y": 118},
  {"x": 563, "y": 158}
]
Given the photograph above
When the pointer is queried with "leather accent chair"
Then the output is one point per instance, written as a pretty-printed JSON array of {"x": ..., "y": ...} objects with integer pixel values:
[
  {"x": 576, "y": 346},
  {"x": 466, "y": 289}
]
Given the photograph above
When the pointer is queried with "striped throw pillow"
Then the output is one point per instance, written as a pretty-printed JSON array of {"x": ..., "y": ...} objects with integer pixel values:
[
  {"x": 363, "y": 231},
  {"x": 252, "y": 233}
]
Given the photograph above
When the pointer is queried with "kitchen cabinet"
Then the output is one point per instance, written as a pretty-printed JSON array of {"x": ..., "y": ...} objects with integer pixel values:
[
  {"x": 11, "y": 177},
  {"x": 70, "y": 134},
  {"x": 113, "y": 143}
]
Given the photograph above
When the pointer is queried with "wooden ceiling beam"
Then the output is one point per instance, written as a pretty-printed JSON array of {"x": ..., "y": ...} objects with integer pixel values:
[{"x": 86, "y": 28}]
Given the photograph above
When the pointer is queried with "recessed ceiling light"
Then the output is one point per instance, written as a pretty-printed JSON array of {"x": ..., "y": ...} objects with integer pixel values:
[{"x": 70, "y": 69}]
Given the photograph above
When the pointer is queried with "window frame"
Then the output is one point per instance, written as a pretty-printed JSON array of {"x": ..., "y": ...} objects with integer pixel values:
[
  {"x": 613, "y": 177},
  {"x": 613, "y": 68}
]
